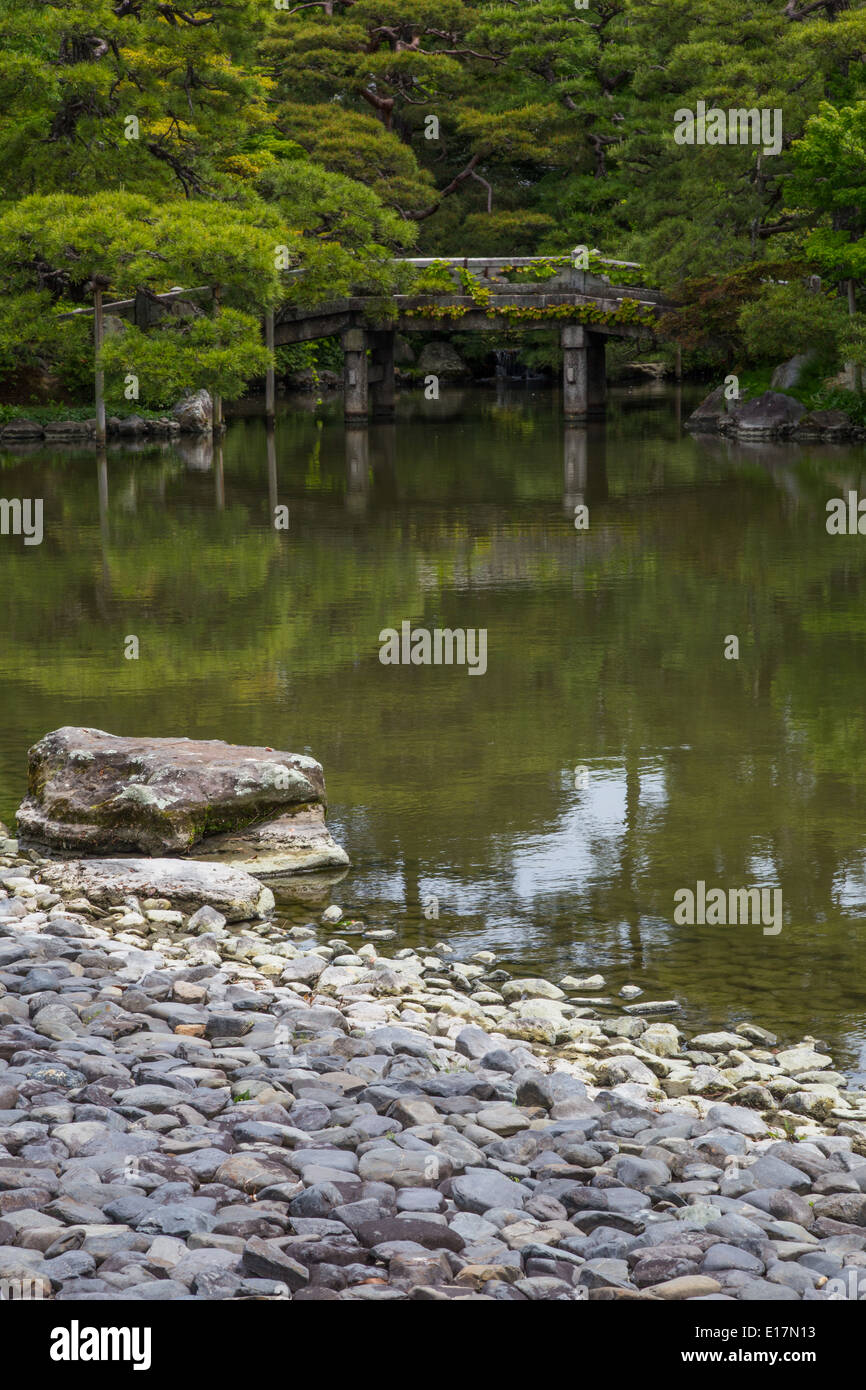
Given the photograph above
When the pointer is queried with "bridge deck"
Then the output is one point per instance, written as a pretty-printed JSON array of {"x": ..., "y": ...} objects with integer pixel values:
[{"x": 542, "y": 311}]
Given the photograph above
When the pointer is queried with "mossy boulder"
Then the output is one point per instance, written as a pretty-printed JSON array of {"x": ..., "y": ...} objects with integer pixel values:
[{"x": 91, "y": 792}]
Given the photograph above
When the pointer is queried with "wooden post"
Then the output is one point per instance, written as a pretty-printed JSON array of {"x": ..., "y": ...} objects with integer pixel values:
[
  {"x": 99, "y": 375},
  {"x": 574, "y": 372},
  {"x": 678, "y": 363},
  {"x": 270, "y": 379}
]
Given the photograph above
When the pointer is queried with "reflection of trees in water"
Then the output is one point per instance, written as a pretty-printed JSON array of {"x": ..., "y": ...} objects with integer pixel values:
[{"x": 604, "y": 646}]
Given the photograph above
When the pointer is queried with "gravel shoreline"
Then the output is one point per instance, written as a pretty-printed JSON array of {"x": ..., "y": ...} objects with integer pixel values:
[{"x": 196, "y": 1110}]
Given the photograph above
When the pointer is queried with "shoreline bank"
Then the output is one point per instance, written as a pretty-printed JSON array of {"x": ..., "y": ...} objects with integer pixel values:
[{"x": 190, "y": 1109}]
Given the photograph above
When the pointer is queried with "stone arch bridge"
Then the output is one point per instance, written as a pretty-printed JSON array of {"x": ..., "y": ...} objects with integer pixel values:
[{"x": 586, "y": 306}]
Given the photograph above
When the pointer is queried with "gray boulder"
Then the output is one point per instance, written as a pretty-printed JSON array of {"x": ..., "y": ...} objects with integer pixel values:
[
  {"x": 478, "y": 1191},
  {"x": 131, "y": 426},
  {"x": 711, "y": 412},
  {"x": 68, "y": 430},
  {"x": 442, "y": 360},
  {"x": 94, "y": 792},
  {"x": 21, "y": 431},
  {"x": 187, "y": 883},
  {"x": 768, "y": 414},
  {"x": 194, "y": 413},
  {"x": 824, "y": 424},
  {"x": 788, "y": 374}
]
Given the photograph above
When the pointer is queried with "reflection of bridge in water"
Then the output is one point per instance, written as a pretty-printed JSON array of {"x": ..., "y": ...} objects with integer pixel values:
[
  {"x": 370, "y": 456},
  {"x": 371, "y": 453}
]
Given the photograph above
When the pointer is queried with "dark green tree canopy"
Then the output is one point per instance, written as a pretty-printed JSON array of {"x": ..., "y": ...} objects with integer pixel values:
[{"x": 219, "y": 143}]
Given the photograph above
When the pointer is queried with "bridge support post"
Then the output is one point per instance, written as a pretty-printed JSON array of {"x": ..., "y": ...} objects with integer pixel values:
[
  {"x": 270, "y": 376},
  {"x": 575, "y": 372},
  {"x": 99, "y": 375},
  {"x": 596, "y": 388},
  {"x": 382, "y": 393},
  {"x": 355, "y": 376}
]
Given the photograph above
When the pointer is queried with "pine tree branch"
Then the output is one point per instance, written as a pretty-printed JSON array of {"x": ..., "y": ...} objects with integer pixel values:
[{"x": 451, "y": 188}]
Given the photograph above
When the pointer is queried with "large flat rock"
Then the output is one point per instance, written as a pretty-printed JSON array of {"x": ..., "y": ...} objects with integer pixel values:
[
  {"x": 92, "y": 792},
  {"x": 770, "y": 413},
  {"x": 297, "y": 842},
  {"x": 188, "y": 884}
]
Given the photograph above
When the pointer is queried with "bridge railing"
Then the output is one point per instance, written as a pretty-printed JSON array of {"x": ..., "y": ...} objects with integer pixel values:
[{"x": 485, "y": 266}]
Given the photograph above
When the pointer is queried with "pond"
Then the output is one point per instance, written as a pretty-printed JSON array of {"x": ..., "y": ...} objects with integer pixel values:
[{"x": 613, "y": 752}]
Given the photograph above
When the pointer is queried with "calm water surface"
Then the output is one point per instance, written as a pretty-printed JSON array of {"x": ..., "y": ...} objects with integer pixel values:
[{"x": 605, "y": 651}]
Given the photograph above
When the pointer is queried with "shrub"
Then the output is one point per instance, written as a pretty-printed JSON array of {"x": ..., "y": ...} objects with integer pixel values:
[{"x": 786, "y": 319}]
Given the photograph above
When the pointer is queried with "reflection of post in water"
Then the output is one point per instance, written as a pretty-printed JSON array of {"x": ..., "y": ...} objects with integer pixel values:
[
  {"x": 596, "y": 482},
  {"x": 272, "y": 471},
  {"x": 629, "y": 859},
  {"x": 104, "y": 591},
  {"x": 219, "y": 478},
  {"x": 584, "y": 466},
  {"x": 357, "y": 468},
  {"x": 678, "y": 403},
  {"x": 383, "y": 458},
  {"x": 574, "y": 468},
  {"x": 411, "y": 888}
]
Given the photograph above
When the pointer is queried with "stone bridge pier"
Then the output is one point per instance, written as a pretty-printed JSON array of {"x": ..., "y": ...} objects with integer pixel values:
[
  {"x": 368, "y": 383},
  {"x": 583, "y": 373}
]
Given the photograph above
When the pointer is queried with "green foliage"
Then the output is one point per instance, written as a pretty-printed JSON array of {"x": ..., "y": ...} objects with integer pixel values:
[
  {"x": 829, "y": 161},
  {"x": 356, "y": 145},
  {"x": 44, "y": 414},
  {"x": 341, "y": 234},
  {"x": 139, "y": 145},
  {"x": 513, "y": 232},
  {"x": 320, "y": 354},
  {"x": 347, "y": 133},
  {"x": 629, "y": 312},
  {"x": 709, "y": 306},
  {"x": 853, "y": 403},
  {"x": 60, "y": 242},
  {"x": 437, "y": 278},
  {"x": 785, "y": 319},
  {"x": 71, "y": 73},
  {"x": 471, "y": 286},
  {"x": 28, "y": 332},
  {"x": 852, "y": 342},
  {"x": 830, "y": 179},
  {"x": 220, "y": 353},
  {"x": 51, "y": 248}
]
